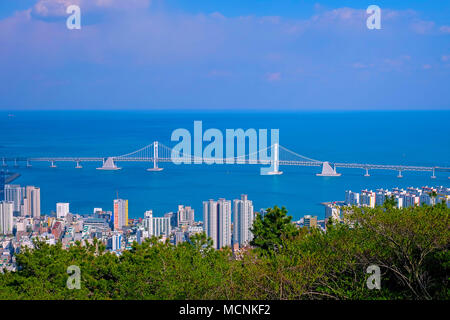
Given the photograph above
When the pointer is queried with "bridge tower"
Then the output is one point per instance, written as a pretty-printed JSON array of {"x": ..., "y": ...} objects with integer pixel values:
[
  {"x": 155, "y": 158},
  {"x": 275, "y": 160}
]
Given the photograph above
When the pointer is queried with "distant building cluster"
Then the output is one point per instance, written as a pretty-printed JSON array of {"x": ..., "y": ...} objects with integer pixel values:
[
  {"x": 21, "y": 222},
  {"x": 403, "y": 199},
  {"x": 26, "y": 200},
  {"x": 228, "y": 223}
]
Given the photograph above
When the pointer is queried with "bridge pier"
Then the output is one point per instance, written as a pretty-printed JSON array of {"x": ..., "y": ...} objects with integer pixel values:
[
  {"x": 52, "y": 164},
  {"x": 109, "y": 165},
  {"x": 4, "y": 164},
  {"x": 433, "y": 176},
  {"x": 328, "y": 171},
  {"x": 28, "y": 164},
  {"x": 155, "y": 158},
  {"x": 399, "y": 174},
  {"x": 367, "y": 173},
  {"x": 78, "y": 166},
  {"x": 16, "y": 165}
]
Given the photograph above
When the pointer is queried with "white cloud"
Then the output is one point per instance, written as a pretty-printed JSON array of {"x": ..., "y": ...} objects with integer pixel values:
[
  {"x": 445, "y": 29},
  {"x": 274, "y": 76},
  {"x": 422, "y": 27},
  {"x": 359, "y": 65},
  {"x": 57, "y": 8}
]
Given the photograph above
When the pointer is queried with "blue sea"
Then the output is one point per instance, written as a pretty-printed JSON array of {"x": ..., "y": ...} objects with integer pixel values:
[{"x": 408, "y": 138}]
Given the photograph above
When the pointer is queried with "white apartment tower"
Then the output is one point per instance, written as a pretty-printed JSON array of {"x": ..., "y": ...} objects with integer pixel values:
[
  {"x": 6, "y": 217},
  {"x": 15, "y": 194},
  {"x": 33, "y": 207},
  {"x": 243, "y": 221},
  {"x": 217, "y": 222},
  {"x": 351, "y": 198},
  {"x": 185, "y": 216},
  {"x": 156, "y": 226},
  {"x": 62, "y": 209},
  {"x": 210, "y": 220}
]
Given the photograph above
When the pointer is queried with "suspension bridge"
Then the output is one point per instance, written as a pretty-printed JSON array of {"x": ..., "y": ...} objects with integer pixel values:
[{"x": 279, "y": 156}]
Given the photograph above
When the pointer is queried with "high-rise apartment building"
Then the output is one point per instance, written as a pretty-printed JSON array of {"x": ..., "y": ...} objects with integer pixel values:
[
  {"x": 6, "y": 217},
  {"x": 120, "y": 215},
  {"x": 62, "y": 209},
  {"x": 210, "y": 220},
  {"x": 217, "y": 222},
  {"x": 116, "y": 241},
  {"x": 15, "y": 194},
  {"x": 185, "y": 216},
  {"x": 351, "y": 198},
  {"x": 367, "y": 198},
  {"x": 242, "y": 221},
  {"x": 156, "y": 226},
  {"x": 2, "y": 184},
  {"x": 33, "y": 203}
]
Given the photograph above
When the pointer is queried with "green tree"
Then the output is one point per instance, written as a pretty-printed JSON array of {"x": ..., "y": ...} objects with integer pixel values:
[
  {"x": 389, "y": 202},
  {"x": 270, "y": 229}
]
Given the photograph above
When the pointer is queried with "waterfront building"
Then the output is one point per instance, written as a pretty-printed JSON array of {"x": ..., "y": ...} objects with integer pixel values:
[
  {"x": 243, "y": 221},
  {"x": 120, "y": 216},
  {"x": 367, "y": 198},
  {"x": 217, "y": 222},
  {"x": 6, "y": 217},
  {"x": 381, "y": 196},
  {"x": 62, "y": 209},
  {"x": 333, "y": 211},
  {"x": 310, "y": 221},
  {"x": 351, "y": 198},
  {"x": 399, "y": 201},
  {"x": 185, "y": 216},
  {"x": 410, "y": 200}
]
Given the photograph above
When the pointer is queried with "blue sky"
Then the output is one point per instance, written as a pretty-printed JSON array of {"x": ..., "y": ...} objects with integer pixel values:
[{"x": 229, "y": 54}]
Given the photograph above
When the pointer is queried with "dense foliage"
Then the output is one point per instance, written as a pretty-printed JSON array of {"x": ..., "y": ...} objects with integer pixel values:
[{"x": 409, "y": 245}]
